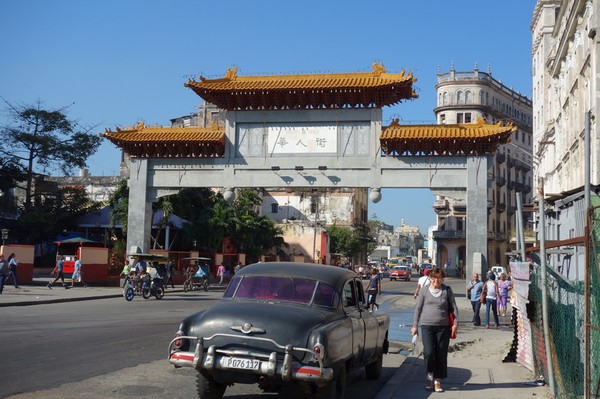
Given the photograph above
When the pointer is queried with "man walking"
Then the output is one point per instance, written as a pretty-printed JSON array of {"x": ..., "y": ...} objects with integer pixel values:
[
  {"x": 77, "y": 274},
  {"x": 474, "y": 290},
  {"x": 59, "y": 273}
]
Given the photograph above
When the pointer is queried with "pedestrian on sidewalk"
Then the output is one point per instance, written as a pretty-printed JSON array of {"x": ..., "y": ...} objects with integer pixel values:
[
  {"x": 3, "y": 272},
  {"x": 434, "y": 305},
  {"x": 490, "y": 288},
  {"x": 474, "y": 290},
  {"x": 504, "y": 286},
  {"x": 12, "y": 269},
  {"x": 221, "y": 273},
  {"x": 423, "y": 282},
  {"x": 77, "y": 276},
  {"x": 59, "y": 273},
  {"x": 170, "y": 274}
]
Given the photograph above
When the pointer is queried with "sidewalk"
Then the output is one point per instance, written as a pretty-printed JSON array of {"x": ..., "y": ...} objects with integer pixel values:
[{"x": 475, "y": 367}]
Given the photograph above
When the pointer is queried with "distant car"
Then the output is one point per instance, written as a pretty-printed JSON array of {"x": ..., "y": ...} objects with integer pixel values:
[
  {"x": 498, "y": 270},
  {"x": 284, "y": 325},
  {"x": 423, "y": 267},
  {"x": 400, "y": 273}
]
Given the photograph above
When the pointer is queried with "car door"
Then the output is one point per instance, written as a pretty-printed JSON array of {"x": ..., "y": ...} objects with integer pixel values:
[{"x": 353, "y": 307}]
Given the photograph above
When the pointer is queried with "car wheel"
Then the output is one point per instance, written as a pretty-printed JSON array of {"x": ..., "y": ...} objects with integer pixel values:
[
  {"x": 160, "y": 292},
  {"x": 373, "y": 370},
  {"x": 128, "y": 294},
  {"x": 208, "y": 388},
  {"x": 336, "y": 388}
]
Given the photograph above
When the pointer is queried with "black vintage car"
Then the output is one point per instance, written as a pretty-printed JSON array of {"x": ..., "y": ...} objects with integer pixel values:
[{"x": 284, "y": 325}]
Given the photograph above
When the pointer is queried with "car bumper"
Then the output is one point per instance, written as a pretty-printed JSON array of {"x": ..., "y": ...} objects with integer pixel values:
[{"x": 260, "y": 363}]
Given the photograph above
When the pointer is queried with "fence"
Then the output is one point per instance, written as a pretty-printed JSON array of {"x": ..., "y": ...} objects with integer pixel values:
[{"x": 568, "y": 311}]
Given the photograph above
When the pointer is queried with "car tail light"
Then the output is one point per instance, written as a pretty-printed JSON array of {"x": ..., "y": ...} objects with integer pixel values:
[
  {"x": 319, "y": 352},
  {"x": 178, "y": 342}
]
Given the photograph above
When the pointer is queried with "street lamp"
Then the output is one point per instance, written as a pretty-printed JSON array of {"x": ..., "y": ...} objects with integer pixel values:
[{"x": 4, "y": 235}]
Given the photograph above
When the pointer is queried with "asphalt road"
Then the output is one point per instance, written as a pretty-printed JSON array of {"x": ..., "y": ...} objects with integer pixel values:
[{"x": 111, "y": 348}]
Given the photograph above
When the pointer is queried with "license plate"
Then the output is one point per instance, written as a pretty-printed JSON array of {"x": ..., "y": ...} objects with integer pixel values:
[{"x": 241, "y": 363}]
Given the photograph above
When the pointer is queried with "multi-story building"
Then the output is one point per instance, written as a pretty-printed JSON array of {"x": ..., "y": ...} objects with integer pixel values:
[
  {"x": 565, "y": 108},
  {"x": 469, "y": 97}
]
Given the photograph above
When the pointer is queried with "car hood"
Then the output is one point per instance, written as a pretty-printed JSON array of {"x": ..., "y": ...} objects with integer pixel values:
[{"x": 283, "y": 323}]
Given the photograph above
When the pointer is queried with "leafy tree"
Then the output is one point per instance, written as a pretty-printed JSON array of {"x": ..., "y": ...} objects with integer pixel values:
[
  {"x": 53, "y": 211},
  {"x": 119, "y": 203},
  {"x": 342, "y": 241},
  {"x": 38, "y": 140},
  {"x": 357, "y": 242},
  {"x": 250, "y": 232}
]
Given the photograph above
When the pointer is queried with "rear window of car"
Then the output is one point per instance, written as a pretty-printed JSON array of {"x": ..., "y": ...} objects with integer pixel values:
[{"x": 291, "y": 289}]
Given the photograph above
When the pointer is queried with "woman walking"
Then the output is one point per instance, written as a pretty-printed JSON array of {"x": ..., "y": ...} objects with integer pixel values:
[
  {"x": 434, "y": 305},
  {"x": 504, "y": 286}
]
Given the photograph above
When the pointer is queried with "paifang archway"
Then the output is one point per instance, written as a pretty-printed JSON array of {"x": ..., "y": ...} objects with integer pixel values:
[{"x": 315, "y": 131}]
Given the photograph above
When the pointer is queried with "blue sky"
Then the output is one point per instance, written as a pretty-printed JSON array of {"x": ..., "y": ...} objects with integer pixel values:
[{"x": 119, "y": 62}]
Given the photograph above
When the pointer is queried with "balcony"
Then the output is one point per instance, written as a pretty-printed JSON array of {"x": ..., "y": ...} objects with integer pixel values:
[
  {"x": 441, "y": 207},
  {"x": 460, "y": 206},
  {"x": 440, "y": 204},
  {"x": 519, "y": 187},
  {"x": 500, "y": 157},
  {"x": 449, "y": 234},
  {"x": 500, "y": 181},
  {"x": 501, "y": 206}
]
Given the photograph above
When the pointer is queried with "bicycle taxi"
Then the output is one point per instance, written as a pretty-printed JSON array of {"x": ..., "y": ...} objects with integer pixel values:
[{"x": 197, "y": 274}]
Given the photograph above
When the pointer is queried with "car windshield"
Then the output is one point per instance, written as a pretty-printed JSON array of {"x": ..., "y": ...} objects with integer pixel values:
[{"x": 292, "y": 289}]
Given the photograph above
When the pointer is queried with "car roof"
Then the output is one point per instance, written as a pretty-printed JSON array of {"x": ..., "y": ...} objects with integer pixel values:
[{"x": 333, "y": 275}]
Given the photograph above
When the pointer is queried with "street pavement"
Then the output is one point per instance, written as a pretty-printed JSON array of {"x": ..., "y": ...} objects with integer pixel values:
[{"x": 475, "y": 363}]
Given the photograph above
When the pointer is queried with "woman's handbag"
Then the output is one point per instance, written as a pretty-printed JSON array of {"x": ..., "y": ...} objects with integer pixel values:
[{"x": 451, "y": 321}]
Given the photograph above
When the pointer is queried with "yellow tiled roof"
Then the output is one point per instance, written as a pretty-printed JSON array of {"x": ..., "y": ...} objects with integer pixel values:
[
  {"x": 459, "y": 131},
  {"x": 306, "y": 81},
  {"x": 158, "y": 141},
  {"x": 166, "y": 134},
  {"x": 437, "y": 140},
  {"x": 364, "y": 89}
]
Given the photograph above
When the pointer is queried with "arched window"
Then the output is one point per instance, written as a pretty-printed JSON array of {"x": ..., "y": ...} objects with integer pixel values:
[
  {"x": 440, "y": 99},
  {"x": 445, "y": 98},
  {"x": 459, "y": 97},
  {"x": 481, "y": 98},
  {"x": 468, "y": 97}
]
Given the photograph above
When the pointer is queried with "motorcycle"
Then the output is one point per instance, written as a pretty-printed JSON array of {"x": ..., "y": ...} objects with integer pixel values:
[{"x": 152, "y": 286}]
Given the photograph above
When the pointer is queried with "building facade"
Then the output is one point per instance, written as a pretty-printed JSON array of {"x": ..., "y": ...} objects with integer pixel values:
[
  {"x": 565, "y": 105},
  {"x": 465, "y": 98}
]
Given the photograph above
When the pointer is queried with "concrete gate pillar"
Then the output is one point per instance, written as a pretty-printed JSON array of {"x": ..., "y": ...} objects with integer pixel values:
[
  {"x": 477, "y": 170},
  {"x": 139, "y": 220}
]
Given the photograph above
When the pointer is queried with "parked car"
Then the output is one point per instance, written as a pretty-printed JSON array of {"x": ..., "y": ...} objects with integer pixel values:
[
  {"x": 400, "y": 273},
  {"x": 284, "y": 325},
  {"x": 423, "y": 267}
]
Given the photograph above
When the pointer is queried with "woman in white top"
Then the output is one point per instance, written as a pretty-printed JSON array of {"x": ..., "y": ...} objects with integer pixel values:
[{"x": 490, "y": 288}]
